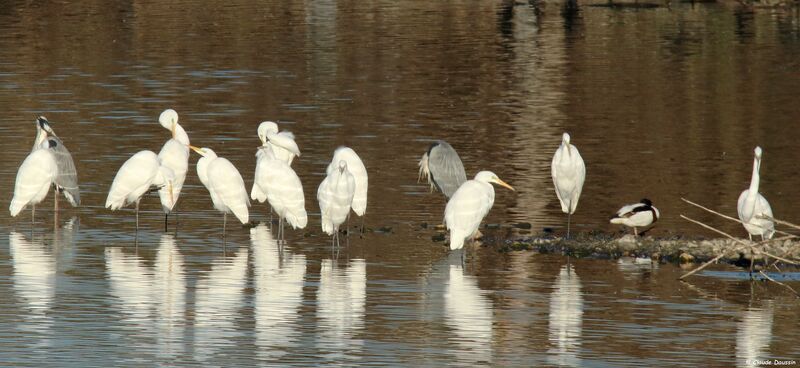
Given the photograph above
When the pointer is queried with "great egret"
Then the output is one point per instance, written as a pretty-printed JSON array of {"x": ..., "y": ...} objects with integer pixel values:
[
  {"x": 637, "y": 215},
  {"x": 276, "y": 182},
  {"x": 66, "y": 180},
  {"x": 282, "y": 144},
  {"x": 174, "y": 155},
  {"x": 359, "y": 172},
  {"x": 569, "y": 173},
  {"x": 442, "y": 167},
  {"x": 34, "y": 177},
  {"x": 224, "y": 184},
  {"x": 335, "y": 195},
  {"x": 135, "y": 178},
  {"x": 752, "y": 204},
  {"x": 469, "y": 205}
]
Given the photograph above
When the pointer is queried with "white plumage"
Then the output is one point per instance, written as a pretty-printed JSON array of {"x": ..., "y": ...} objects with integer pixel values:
[
  {"x": 335, "y": 195},
  {"x": 636, "y": 215},
  {"x": 276, "y": 182},
  {"x": 356, "y": 167},
  {"x": 469, "y": 205},
  {"x": 224, "y": 184},
  {"x": 751, "y": 204},
  {"x": 281, "y": 144},
  {"x": 34, "y": 178},
  {"x": 174, "y": 155},
  {"x": 134, "y": 179},
  {"x": 569, "y": 173}
]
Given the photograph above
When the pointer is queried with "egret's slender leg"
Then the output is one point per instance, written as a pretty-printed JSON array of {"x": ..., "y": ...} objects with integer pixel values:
[
  {"x": 33, "y": 215},
  {"x": 166, "y": 217},
  {"x": 280, "y": 229},
  {"x": 635, "y": 231},
  {"x": 55, "y": 200},
  {"x": 137, "y": 215},
  {"x": 362, "y": 224},
  {"x": 569, "y": 218},
  {"x": 224, "y": 222},
  {"x": 750, "y": 236}
]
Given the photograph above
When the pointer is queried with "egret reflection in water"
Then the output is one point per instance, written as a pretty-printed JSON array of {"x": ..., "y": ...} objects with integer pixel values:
[
  {"x": 565, "y": 319},
  {"x": 753, "y": 335},
  {"x": 340, "y": 308},
  {"x": 468, "y": 312},
  {"x": 151, "y": 299},
  {"x": 278, "y": 276},
  {"x": 218, "y": 298},
  {"x": 34, "y": 280}
]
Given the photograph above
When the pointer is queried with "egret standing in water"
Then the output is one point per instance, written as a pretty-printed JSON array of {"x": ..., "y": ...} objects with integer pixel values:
[
  {"x": 224, "y": 184},
  {"x": 277, "y": 183},
  {"x": 335, "y": 195},
  {"x": 636, "y": 215},
  {"x": 355, "y": 167},
  {"x": 282, "y": 144},
  {"x": 66, "y": 180},
  {"x": 442, "y": 167},
  {"x": 135, "y": 178},
  {"x": 469, "y": 205},
  {"x": 34, "y": 177},
  {"x": 569, "y": 173},
  {"x": 174, "y": 155},
  {"x": 752, "y": 204}
]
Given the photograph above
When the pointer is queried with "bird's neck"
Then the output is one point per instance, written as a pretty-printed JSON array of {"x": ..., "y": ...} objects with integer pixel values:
[
  {"x": 180, "y": 135},
  {"x": 754, "y": 181}
]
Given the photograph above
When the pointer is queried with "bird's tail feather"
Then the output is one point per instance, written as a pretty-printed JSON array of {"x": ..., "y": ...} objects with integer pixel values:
[{"x": 457, "y": 239}]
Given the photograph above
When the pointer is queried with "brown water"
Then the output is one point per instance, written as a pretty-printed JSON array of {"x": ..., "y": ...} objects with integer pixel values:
[{"x": 663, "y": 103}]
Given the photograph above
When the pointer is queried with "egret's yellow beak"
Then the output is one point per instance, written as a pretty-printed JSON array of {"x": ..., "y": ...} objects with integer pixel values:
[
  {"x": 196, "y": 150},
  {"x": 502, "y": 183}
]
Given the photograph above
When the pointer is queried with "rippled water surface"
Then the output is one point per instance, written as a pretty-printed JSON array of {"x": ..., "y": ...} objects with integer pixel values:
[{"x": 663, "y": 102}]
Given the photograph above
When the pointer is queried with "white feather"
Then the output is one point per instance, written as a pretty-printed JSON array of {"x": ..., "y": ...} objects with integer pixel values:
[
  {"x": 34, "y": 178},
  {"x": 356, "y": 167}
]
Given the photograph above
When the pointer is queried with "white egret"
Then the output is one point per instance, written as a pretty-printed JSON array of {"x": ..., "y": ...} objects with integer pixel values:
[
  {"x": 135, "y": 178},
  {"x": 469, "y": 205},
  {"x": 442, "y": 167},
  {"x": 335, "y": 195},
  {"x": 174, "y": 155},
  {"x": 282, "y": 144},
  {"x": 224, "y": 184},
  {"x": 637, "y": 215},
  {"x": 276, "y": 182},
  {"x": 569, "y": 173},
  {"x": 359, "y": 172},
  {"x": 66, "y": 180},
  {"x": 752, "y": 205},
  {"x": 34, "y": 177}
]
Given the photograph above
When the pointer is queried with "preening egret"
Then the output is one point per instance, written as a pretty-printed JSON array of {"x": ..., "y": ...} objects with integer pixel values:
[
  {"x": 276, "y": 182},
  {"x": 335, "y": 195},
  {"x": 752, "y": 204},
  {"x": 442, "y": 167},
  {"x": 134, "y": 179},
  {"x": 174, "y": 155},
  {"x": 66, "y": 180},
  {"x": 469, "y": 205},
  {"x": 34, "y": 177},
  {"x": 569, "y": 173},
  {"x": 359, "y": 172},
  {"x": 224, "y": 184},
  {"x": 282, "y": 144},
  {"x": 637, "y": 215}
]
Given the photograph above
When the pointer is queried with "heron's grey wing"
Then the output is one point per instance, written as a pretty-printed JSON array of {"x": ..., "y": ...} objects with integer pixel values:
[
  {"x": 446, "y": 168},
  {"x": 67, "y": 179}
]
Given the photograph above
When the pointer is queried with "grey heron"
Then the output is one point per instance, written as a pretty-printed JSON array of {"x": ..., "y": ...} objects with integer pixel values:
[
  {"x": 66, "y": 180},
  {"x": 442, "y": 167}
]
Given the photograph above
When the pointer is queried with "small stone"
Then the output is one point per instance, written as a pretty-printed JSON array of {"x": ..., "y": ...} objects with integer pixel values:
[{"x": 686, "y": 258}]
